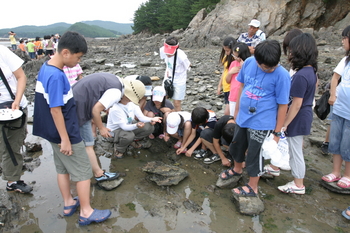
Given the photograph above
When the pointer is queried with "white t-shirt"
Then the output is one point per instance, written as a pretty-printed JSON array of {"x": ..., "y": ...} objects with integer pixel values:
[
  {"x": 185, "y": 115},
  {"x": 10, "y": 62},
  {"x": 121, "y": 117},
  {"x": 182, "y": 65},
  {"x": 110, "y": 97},
  {"x": 340, "y": 67}
]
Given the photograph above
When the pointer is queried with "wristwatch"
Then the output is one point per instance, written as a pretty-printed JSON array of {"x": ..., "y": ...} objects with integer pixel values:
[{"x": 277, "y": 134}]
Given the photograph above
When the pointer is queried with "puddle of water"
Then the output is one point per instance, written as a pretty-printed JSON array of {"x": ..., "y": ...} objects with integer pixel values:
[{"x": 140, "y": 206}]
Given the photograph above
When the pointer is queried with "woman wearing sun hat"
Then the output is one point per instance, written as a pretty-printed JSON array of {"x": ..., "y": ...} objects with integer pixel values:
[
  {"x": 122, "y": 119},
  {"x": 167, "y": 52}
]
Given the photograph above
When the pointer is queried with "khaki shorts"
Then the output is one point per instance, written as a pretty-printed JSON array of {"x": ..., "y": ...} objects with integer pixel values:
[{"x": 77, "y": 165}]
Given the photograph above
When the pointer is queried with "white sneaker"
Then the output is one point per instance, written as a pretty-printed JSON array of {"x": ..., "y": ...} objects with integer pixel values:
[
  {"x": 269, "y": 170},
  {"x": 290, "y": 187}
]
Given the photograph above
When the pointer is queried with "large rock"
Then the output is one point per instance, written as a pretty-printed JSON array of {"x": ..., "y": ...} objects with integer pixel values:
[
  {"x": 248, "y": 205},
  {"x": 163, "y": 174}
]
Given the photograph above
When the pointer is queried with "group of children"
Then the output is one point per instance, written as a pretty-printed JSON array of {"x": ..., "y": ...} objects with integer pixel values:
[
  {"x": 261, "y": 98},
  {"x": 37, "y": 48}
]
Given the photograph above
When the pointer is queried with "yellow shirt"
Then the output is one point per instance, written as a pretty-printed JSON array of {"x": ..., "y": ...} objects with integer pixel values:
[
  {"x": 225, "y": 86},
  {"x": 12, "y": 39}
]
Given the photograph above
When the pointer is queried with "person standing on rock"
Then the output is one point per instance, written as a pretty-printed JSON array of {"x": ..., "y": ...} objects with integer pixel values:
[
  {"x": 260, "y": 109},
  {"x": 55, "y": 119},
  {"x": 167, "y": 52},
  {"x": 303, "y": 58},
  {"x": 339, "y": 137},
  {"x": 13, "y": 40},
  {"x": 226, "y": 59},
  {"x": 251, "y": 38},
  {"x": 11, "y": 67}
]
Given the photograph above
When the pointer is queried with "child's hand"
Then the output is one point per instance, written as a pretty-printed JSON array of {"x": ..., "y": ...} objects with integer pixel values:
[
  {"x": 226, "y": 162},
  {"x": 178, "y": 151},
  {"x": 104, "y": 132},
  {"x": 157, "y": 119},
  {"x": 166, "y": 137},
  {"x": 189, "y": 153},
  {"x": 218, "y": 92},
  {"x": 66, "y": 148},
  {"x": 140, "y": 125}
]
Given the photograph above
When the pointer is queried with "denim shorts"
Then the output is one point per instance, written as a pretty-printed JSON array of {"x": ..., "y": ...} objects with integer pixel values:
[
  {"x": 329, "y": 117},
  {"x": 86, "y": 134},
  {"x": 339, "y": 137},
  {"x": 179, "y": 92}
]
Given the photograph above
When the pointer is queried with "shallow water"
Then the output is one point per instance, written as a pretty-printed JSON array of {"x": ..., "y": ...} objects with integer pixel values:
[{"x": 140, "y": 206}]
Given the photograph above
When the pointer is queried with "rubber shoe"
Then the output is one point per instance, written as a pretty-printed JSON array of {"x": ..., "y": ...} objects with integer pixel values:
[
  {"x": 269, "y": 170},
  {"x": 212, "y": 159},
  {"x": 201, "y": 154},
  {"x": 107, "y": 176},
  {"x": 324, "y": 148},
  {"x": 96, "y": 216},
  {"x": 290, "y": 187},
  {"x": 19, "y": 186}
]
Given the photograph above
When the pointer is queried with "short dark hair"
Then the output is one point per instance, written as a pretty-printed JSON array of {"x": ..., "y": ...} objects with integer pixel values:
[
  {"x": 228, "y": 132},
  {"x": 242, "y": 49},
  {"x": 199, "y": 115},
  {"x": 290, "y": 35},
  {"x": 146, "y": 80},
  {"x": 346, "y": 33},
  {"x": 268, "y": 53},
  {"x": 303, "y": 51},
  {"x": 74, "y": 42},
  {"x": 171, "y": 40}
]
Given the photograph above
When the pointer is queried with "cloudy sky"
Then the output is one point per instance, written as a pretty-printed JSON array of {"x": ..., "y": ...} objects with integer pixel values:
[{"x": 23, "y": 12}]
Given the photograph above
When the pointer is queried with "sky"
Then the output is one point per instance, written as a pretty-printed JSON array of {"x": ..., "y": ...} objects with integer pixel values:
[{"x": 40, "y": 13}]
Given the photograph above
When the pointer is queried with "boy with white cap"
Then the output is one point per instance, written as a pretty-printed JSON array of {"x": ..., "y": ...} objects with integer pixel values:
[
  {"x": 167, "y": 52},
  {"x": 121, "y": 119},
  {"x": 178, "y": 125}
]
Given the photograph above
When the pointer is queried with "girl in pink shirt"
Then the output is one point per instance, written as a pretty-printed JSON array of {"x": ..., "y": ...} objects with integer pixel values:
[{"x": 240, "y": 52}]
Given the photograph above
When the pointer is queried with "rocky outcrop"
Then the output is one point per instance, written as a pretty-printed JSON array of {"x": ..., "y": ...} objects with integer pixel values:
[{"x": 231, "y": 17}]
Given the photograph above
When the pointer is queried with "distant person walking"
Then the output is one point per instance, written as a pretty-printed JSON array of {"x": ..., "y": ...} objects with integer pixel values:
[{"x": 13, "y": 40}]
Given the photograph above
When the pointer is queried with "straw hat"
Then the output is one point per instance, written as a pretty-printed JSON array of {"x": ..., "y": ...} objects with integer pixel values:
[{"x": 134, "y": 90}]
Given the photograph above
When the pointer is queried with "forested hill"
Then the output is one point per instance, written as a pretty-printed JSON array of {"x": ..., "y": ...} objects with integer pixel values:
[{"x": 95, "y": 28}]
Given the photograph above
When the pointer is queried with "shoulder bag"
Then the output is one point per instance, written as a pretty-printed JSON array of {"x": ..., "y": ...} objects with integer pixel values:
[{"x": 168, "y": 84}]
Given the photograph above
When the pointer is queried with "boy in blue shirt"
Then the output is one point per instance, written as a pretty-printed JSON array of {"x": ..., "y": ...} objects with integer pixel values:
[
  {"x": 260, "y": 109},
  {"x": 56, "y": 121}
]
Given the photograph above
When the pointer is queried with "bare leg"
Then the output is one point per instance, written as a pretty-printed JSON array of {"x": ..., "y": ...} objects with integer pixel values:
[
  {"x": 83, "y": 189},
  {"x": 227, "y": 109},
  {"x": 93, "y": 161},
  {"x": 209, "y": 145},
  {"x": 177, "y": 105},
  {"x": 64, "y": 186}
]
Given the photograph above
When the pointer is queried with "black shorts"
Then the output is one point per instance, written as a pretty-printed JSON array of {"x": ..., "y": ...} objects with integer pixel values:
[
  {"x": 226, "y": 95},
  {"x": 249, "y": 139},
  {"x": 207, "y": 134},
  {"x": 40, "y": 52}
]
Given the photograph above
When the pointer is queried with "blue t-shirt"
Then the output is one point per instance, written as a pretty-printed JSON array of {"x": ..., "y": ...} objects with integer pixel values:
[
  {"x": 303, "y": 86},
  {"x": 341, "y": 106},
  {"x": 262, "y": 92},
  {"x": 53, "y": 90}
]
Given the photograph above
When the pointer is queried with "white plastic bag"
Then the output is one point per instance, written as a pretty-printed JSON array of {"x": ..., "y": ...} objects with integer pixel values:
[
  {"x": 269, "y": 147},
  {"x": 278, "y": 153}
]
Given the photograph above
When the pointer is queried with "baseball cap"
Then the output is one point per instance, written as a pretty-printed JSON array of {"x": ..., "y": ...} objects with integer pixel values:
[
  {"x": 254, "y": 23},
  {"x": 158, "y": 93},
  {"x": 172, "y": 122},
  {"x": 170, "y": 49},
  {"x": 134, "y": 90}
]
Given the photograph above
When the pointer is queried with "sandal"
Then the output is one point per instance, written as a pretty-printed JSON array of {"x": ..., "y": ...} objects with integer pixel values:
[
  {"x": 243, "y": 193},
  {"x": 228, "y": 174},
  {"x": 330, "y": 178},
  {"x": 73, "y": 208},
  {"x": 136, "y": 145},
  {"x": 344, "y": 183},
  {"x": 177, "y": 145},
  {"x": 161, "y": 136},
  {"x": 96, "y": 216},
  {"x": 345, "y": 215},
  {"x": 151, "y": 136}
]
